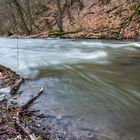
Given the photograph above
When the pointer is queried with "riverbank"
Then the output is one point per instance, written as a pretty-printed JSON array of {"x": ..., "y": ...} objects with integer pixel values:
[
  {"x": 107, "y": 34},
  {"x": 17, "y": 121}
]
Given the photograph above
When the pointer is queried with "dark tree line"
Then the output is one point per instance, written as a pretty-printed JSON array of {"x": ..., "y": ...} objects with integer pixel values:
[
  {"x": 33, "y": 16},
  {"x": 36, "y": 16}
]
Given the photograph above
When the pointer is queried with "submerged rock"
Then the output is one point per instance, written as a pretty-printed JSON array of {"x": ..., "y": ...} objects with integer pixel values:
[
  {"x": 6, "y": 90},
  {"x": 59, "y": 117},
  {"x": 4, "y": 97}
]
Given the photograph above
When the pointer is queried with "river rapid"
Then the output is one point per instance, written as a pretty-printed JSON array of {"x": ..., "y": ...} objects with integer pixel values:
[{"x": 92, "y": 87}]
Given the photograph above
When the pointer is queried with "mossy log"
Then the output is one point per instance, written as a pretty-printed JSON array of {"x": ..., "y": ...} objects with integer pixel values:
[{"x": 60, "y": 34}]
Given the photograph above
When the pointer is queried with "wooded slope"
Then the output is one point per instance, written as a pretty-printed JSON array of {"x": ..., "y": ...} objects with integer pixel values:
[{"x": 82, "y": 18}]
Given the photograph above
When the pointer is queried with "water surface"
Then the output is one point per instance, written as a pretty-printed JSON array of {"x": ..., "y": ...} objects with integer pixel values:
[{"x": 92, "y": 87}]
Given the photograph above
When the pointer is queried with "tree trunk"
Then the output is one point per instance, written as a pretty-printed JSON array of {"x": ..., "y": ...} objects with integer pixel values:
[
  {"x": 59, "y": 17},
  {"x": 20, "y": 17},
  {"x": 68, "y": 10},
  {"x": 29, "y": 17}
]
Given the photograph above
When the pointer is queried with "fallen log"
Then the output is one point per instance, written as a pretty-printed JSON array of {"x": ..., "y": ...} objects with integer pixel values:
[{"x": 27, "y": 105}]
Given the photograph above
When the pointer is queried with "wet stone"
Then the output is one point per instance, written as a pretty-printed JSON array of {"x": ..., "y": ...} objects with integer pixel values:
[{"x": 28, "y": 92}]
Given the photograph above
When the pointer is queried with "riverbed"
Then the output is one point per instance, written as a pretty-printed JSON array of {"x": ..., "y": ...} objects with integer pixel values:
[{"x": 92, "y": 87}]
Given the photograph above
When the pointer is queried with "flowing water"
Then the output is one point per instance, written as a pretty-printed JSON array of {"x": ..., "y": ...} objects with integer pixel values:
[{"x": 92, "y": 87}]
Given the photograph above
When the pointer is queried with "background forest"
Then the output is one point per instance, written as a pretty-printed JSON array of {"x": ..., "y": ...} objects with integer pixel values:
[{"x": 78, "y": 18}]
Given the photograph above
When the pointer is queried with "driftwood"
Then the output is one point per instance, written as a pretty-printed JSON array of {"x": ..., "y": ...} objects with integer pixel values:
[
  {"x": 24, "y": 108},
  {"x": 7, "y": 129},
  {"x": 27, "y": 105},
  {"x": 16, "y": 86}
]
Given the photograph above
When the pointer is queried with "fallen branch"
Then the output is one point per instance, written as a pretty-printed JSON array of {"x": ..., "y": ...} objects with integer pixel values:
[
  {"x": 24, "y": 129},
  {"x": 3, "y": 132},
  {"x": 27, "y": 105},
  {"x": 7, "y": 130},
  {"x": 17, "y": 85}
]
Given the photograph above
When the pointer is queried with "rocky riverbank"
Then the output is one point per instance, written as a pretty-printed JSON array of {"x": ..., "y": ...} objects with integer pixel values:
[{"x": 17, "y": 121}]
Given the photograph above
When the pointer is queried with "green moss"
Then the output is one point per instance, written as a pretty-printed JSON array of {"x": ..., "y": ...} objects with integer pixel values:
[
  {"x": 57, "y": 34},
  {"x": 136, "y": 12},
  {"x": 4, "y": 111},
  {"x": 136, "y": 9},
  {"x": 46, "y": 137},
  {"x": 12, "y": 123},
  {"x": 25, "y": 119}
]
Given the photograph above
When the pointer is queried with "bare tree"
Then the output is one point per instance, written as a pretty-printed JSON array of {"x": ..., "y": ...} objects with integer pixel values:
[
  {"x": 20, "y": 17},
  {"x": 59, "y": 16}
]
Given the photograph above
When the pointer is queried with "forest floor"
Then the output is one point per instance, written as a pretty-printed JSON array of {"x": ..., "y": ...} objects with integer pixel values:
[{"x": 95, "y": 20}]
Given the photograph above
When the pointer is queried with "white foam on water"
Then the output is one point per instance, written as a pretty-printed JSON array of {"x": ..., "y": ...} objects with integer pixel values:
[
  {"x": 136, "y": 44},
  {"x": 86, "y": 56},
  {"x": 42, "y": 53},
  {"x": 122, "y": 45},
  {"x": 92, "y": 44}
]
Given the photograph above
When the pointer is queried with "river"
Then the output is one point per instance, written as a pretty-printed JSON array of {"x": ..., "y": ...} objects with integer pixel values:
[{"x": 92, "y": 87}]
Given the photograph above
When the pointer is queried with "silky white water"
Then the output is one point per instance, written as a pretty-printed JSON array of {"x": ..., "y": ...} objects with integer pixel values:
[{"x": 91, "y": 86}]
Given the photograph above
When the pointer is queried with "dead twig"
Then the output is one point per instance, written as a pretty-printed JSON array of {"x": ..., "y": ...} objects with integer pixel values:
[
  {"x": 3, "y": 132},
  {"x": 27, "y": 105},
  {"x": 24, "y": 129}
]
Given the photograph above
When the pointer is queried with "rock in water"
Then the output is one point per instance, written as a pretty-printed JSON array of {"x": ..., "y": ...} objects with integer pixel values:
[
  {"x": 5, "y": 93},
  {"x": 6, "y": 90},
  {"x": 59, "y": 117}
]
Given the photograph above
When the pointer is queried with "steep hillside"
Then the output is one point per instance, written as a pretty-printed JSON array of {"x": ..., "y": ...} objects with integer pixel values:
[{"x": 114, "y": 19}]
